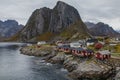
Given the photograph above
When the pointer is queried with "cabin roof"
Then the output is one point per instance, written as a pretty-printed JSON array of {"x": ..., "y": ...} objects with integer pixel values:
[
  {"x": 89, "y": 50},
  {"x": 41, "y": 42},
  {"x": 67, "y": 47},
  {"x": 79, "y": 49},
  {"x": 64, "y": 46},
  {"x": 92, "y": 40},
  {"x": 72, "y": 48},
  {"x": 75, "y": 43},
  {"x": 104, "y": 52}
]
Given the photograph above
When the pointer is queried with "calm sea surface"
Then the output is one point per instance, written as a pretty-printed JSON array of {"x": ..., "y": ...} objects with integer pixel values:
[{"x": 15, "y": 66}]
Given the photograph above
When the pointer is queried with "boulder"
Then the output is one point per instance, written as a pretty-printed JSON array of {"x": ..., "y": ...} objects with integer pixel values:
[
  {"x": 70, "y": 63},
  {"x": 59, "y": 58},
  {"x": 36, "y": 52},
  {"x": 117, "y": 77},
  {"x": 91, "y": 70}
]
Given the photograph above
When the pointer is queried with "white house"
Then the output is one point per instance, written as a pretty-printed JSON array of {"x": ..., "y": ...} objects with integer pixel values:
[
  {"x": 90, "y": 43},
  {"x": 113, "y": 44},
  {"x": 105, "y": 52},
  {"x": 41, "y": 43},
  {"x": 29, "y": 44},
  {"x": 75, "y": 44},
  {"x": 60, "y": 44}
]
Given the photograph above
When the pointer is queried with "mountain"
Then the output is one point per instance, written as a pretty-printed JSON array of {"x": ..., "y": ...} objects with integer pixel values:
[
  {"x": 9, "y": 27},
  {"x": 45, "y": 23},
  {"x": 101, "y": 29},
  {"x": 117, "y": 31},
  {"x": 89, "y": 24},
  {"x": 75, "y": 31}
]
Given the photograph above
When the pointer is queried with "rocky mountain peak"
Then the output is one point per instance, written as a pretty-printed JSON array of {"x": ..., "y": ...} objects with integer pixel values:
[
  {"x": 101, "y": 24},
  {"x": 63, "y": 14},
  {"x": 50, "y": 20},
  {"x": 11, "y": 22},
  {"x": 61, "y": 5}
]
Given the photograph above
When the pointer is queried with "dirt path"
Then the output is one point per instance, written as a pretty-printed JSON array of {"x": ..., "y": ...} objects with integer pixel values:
[{"x": 115, "y": 57}]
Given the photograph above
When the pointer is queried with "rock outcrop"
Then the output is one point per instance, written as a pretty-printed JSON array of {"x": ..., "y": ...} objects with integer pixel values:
[
  {"x": 117, "y": 77},
  {"x": 33, "y": 51},
  {"x": 54, "y": 20},
  {"x": 91, "y": 70}
]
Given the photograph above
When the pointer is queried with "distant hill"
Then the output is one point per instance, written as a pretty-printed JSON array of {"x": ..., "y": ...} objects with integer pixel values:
[
  {"x": 9, "y": 28},
  {"x": 117, "y": 31},
  {"x": 101, "y": 29},
  {"x": 46, "y": 24},
  {"x": 89, "y": 24}
]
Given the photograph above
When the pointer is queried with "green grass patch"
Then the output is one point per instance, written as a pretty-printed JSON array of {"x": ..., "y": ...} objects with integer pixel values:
[{"x": 116, "y": 54}]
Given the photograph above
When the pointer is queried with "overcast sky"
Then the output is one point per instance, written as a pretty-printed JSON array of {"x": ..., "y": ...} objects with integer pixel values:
[{"x": 107, "y": 11}]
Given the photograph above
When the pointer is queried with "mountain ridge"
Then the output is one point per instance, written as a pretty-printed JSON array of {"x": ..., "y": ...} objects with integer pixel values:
[
  {"x": 9, "y": 27},
  {"x": 101, "y": 29}
]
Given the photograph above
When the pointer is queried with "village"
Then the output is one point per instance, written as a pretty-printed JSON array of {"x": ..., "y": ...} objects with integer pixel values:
[
  {"x": 101, "y": 48},
  {"x": 92, "y": 58}
]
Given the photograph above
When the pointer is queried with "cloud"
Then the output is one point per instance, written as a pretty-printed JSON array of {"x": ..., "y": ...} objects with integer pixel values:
[{"x": 106, "y": 11}]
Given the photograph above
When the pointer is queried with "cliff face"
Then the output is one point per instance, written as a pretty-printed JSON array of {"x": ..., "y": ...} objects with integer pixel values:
[
  {"x": 37, "y": 24},
  {"x": 62, "y": 16},
  {"x": 50, "y": 20}
]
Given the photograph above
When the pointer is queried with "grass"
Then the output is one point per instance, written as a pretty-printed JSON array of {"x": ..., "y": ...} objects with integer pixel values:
[
  {"x": 77, "y": 29},
  {"x": 45, "y": 37},
  {"x": 13, "y": 38},
  {"x": 116, "y": 54},
  {"x": 43, "y": 47}
]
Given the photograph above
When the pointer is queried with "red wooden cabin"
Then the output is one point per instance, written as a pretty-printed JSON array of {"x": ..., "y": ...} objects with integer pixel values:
[
  {"x": 38, "y": 46},
  {"x": 102, "y": 55},
  {"x": 90, "y": 52},
  {"x": 67, "y": 50},
  {"x": 64, "y": 48},
  {"x": 60, "y": 48},
  {"x": 98, "y": 45},
  {"x": 82, "y": 52}
]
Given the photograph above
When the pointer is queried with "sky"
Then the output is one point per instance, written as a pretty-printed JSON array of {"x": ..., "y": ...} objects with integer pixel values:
[{"x": 107, "y": 11}]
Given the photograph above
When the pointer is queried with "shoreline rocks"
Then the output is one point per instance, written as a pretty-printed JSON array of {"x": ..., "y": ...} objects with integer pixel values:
[
  {"x": 117, "y": 77},
  {"x": 79, "y": 68},
  {"x": 35, "y": 51},
  {"x": 91, "y": 70}
]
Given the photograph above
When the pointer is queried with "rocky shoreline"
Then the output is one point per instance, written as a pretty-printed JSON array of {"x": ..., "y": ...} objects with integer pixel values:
[{"x": 79, "y": 68}]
